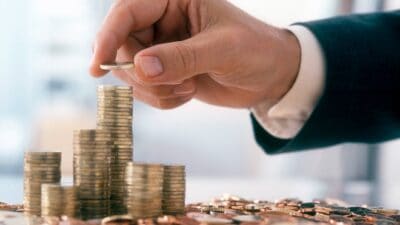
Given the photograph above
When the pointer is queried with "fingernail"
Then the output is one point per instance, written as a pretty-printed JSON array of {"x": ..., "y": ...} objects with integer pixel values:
[
  {"x": 183, "y": 89},
  {"x": 150, "y": 65}
]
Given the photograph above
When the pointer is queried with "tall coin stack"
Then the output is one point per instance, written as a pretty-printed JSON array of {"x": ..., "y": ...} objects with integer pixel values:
[
  {"x": 92, "y": 156},
  {"x": 39, "y": 168},
  {"x": 144, "y": 184},
  {"x": 114, "y": 113},
  {"x": 59, "y": 200},
  {"x": 173, "y": 201}
]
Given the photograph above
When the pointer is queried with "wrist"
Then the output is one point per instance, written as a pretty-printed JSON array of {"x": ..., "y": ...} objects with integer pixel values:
[
  {"x": 282, "y": 57},
  {"x": 287, "y": 117},
  {"x": 288, "y": 61}
]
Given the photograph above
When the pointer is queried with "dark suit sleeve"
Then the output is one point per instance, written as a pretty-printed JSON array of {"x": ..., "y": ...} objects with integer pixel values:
[{"x": 361, "y": 98}]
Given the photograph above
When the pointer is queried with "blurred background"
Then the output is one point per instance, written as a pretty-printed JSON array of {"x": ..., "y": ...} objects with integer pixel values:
[{"x": 46, "y": 93}]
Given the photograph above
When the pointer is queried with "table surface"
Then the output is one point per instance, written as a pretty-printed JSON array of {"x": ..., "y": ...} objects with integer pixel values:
[
  {"x": 200, "y": 189},
  {"x": 13, "y": 218}
]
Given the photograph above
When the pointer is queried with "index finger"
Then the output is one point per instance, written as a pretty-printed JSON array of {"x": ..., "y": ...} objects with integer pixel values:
[{"x": 124, "y": 17}]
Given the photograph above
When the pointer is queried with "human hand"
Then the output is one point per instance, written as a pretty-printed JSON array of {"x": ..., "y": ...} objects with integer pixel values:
[{"x": 204, "y": 49}]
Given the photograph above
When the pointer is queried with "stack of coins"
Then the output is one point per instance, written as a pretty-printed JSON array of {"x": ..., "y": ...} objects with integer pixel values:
[
  {"x": 173, "y": 201},
  {"x": 59, "y": 200},
  {"x": 92, "y": 156},
  {"x": 144, "y": 184},
  {"x": 114, "y": 113},
  {"x": 39, "y": 168}
]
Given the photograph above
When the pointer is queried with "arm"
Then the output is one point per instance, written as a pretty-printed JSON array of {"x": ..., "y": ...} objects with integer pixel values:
[{"x": 362, "y": 84}]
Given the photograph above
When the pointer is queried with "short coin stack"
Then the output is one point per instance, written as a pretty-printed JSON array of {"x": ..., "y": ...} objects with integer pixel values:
[
  {"x": 144, "y": 184},
  {"x": 114, "y": 113},
  {"x": 59, "y": 200},
  {"x": 173, "y": 201},
  {"x": 92, "y": 149},
  {"x": 39, "y": 168}
]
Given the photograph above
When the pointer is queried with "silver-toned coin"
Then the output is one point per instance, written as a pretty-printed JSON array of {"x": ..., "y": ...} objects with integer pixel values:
[{"x": 117, "y": 66}]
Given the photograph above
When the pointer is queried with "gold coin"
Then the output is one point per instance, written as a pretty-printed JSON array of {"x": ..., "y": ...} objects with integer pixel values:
[
  {"x": 42, "y": 169},
  {"x": 174, "y": 185},
  {"x": 114, "y": 101},
  {"x": 92, "y": 148},
  {"x": 34, "y": 162},
  {"x": 114, "y": 88},
  {"x": 112, "y": 96},
  {"x": 107, "y": 95},
  {"x": 92, "y": 154},
  {"x": 43, "y": 154},
  {"x": 105, "y": 139},
  {"x": 114, "y": 116},
  {"x": 118, "y": 107},
  {"x": 111, "y": 108},
  {"x": 116, "y": 126},
  {"x": 174, "y": 166},
  {"x": 112, "y": 119},
  {"x": 174, "y": 177},
  {"x": 92, "y": 132},
  {"x": 117, "y": 219},
  {"x": 118, "y": 130}
]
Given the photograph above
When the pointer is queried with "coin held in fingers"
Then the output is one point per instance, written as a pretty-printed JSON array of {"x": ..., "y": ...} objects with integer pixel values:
[{"x": 117, "y": 66}]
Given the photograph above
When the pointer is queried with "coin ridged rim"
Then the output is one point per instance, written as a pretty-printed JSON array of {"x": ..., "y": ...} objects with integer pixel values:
[
  {"x": 114, "y": 125},
  {"x": 109, "y": 103},
  {"x": 111, "y": 108},
  {"x": 119, "y": 130},
  {"x": 96, "y": 201},
  {"x": 99, "y": 194},
  {"x": 92, "y": 149},
  {"x": 42, "y": 154},
  {"x": 116, "y": 116},
  {"x": 113, "y": 87},
  {"x": 109, "y": 95},
  {"x": 92, "y": 139},
  {"x": 41, "y": 170},
  {"x": 90, "y": 131},
  {"x": 127, "y": 123},
  {"x": 112, "y": 96}
]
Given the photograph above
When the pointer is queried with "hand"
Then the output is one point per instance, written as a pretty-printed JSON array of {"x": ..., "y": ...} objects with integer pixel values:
[{"x": 203, "y": 49}]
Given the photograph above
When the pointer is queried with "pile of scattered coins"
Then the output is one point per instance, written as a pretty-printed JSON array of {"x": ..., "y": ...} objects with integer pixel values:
[{"x": 232, "y": 209}]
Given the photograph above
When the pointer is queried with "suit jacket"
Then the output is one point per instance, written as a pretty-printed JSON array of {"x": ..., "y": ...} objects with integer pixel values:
[{"x": 361, "y": 98}]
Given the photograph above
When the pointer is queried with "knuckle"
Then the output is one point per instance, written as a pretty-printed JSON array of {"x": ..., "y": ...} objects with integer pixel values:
[
  {"x": 122, "y": 9},
  {"x": 186, "y": 56},
  {"x": 118, "y": 4}
]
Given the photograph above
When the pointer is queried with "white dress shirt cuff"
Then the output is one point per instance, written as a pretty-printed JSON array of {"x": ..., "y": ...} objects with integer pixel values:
[{"x": 286, "y": 118}]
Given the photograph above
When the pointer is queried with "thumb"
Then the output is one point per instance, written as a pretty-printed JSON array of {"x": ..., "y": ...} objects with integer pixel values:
[{"x": 174, "y": 62}]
